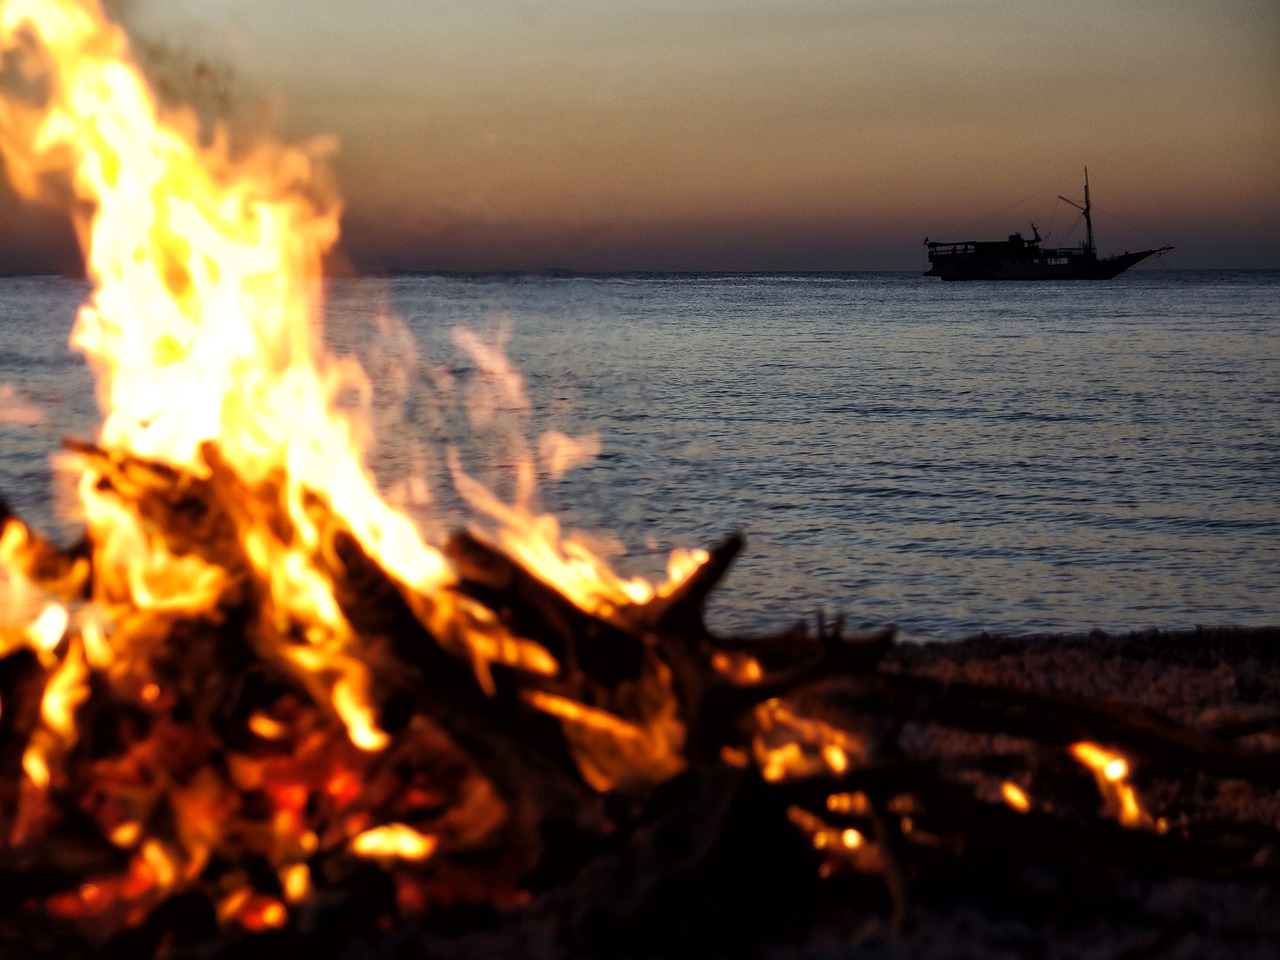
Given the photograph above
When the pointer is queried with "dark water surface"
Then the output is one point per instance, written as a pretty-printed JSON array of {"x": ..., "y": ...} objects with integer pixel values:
[{"x": 951, "y": 457}]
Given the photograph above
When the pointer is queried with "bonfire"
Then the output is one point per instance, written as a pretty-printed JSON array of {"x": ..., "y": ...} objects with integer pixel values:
[{"x": 254, "y": 697}]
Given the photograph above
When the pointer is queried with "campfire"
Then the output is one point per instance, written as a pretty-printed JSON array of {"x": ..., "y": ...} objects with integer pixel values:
[{"x": 254, "y": 697}]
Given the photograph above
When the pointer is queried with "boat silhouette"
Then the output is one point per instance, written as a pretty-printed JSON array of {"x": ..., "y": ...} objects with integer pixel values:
[{"x": 1018, "y": 258}]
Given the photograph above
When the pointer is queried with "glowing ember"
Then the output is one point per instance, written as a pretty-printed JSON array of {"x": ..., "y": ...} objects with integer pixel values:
[
  {"x": 788, "y": 745},
  {"x": 1120, "y": 799},
  {"x": 842, "y": 849},
  {"x": 1015, "y": 796},
  {"x": 395, "y": 840}
]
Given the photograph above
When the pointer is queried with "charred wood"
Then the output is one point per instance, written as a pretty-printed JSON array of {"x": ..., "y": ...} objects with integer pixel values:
[{"x": 612, "y": 867}]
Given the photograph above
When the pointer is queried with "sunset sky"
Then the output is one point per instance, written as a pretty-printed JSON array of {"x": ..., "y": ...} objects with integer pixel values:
[{"x": 747, "y": 134}]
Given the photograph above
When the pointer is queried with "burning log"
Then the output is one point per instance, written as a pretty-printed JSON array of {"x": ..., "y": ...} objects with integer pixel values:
[{"x": 801, "y": 737}]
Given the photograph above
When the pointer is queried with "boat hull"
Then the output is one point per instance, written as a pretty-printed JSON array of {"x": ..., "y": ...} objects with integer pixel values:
[{"x": 1077, "y": 268}]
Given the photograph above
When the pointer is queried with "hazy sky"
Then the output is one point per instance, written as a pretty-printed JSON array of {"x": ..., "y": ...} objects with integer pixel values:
[{"x": 756, "y": 134}]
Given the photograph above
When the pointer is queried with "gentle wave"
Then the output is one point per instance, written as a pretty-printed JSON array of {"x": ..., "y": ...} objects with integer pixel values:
[{"x": 951, "y": 457}]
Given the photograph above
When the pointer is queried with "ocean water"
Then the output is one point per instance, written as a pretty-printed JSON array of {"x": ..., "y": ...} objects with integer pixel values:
[{"x": 949, "y": 457}]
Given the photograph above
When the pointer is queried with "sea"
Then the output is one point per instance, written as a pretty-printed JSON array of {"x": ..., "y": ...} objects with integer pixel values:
[{"x": 953, "y": 458}]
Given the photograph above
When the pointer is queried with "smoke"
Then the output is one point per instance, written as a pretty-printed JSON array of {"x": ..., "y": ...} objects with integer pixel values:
[{"x": 452, "y": 439}]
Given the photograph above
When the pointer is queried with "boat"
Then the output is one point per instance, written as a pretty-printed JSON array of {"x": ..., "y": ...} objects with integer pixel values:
[{"x": 1018, "y": 258}]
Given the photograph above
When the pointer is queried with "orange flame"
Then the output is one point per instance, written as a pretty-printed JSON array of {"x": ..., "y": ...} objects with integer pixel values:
[
  {"x": 204, "y": 333},
  {"x": 203, "y": 328}
]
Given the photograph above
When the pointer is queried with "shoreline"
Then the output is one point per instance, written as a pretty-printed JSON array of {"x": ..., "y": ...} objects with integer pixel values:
[
  {"x": 1076, "y": 663},
  {"x": 1222, "y": 680}
]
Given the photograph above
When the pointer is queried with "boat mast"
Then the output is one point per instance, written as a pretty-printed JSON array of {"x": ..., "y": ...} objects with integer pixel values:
[
  {"x": 1087, "y": 210},
  {"x": 1088, "y": 218}
]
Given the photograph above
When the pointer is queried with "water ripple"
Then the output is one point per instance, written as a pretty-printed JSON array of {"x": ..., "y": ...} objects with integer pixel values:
[{"x": 951, "y": 457}]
